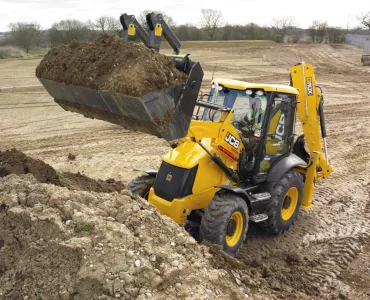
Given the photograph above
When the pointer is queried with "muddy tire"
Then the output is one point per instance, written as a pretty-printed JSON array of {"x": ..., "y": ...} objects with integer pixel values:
[
  {"x": 225, "y": 222},
  {"x": 285, "y": 203},
  {"x": 141, "y": 185}
]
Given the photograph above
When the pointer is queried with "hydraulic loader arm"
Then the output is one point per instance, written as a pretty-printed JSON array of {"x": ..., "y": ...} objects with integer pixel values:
[
  {"x": 158, "y": 27},
  {"x": 311, "y": 114},
  {"x": 132, "y": 28}
]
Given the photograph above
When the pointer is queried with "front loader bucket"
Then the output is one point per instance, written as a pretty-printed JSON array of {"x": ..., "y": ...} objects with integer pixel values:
[{"x": 166, "y": 113}]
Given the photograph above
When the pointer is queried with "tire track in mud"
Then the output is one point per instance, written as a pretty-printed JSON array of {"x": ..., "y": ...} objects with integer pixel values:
[
  {"x": 338, "y": 256},
  {"x": 330, "y": 236}
]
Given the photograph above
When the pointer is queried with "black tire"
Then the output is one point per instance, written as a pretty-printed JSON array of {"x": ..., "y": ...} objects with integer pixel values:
[
  {"x": 278, "y": 221},
  {"x": 141, "y": 185},
  {"x": 217, "y": 221}
]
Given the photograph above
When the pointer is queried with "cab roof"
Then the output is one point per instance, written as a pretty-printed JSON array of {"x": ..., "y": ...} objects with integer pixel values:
[{"x": 242, "y": 85}]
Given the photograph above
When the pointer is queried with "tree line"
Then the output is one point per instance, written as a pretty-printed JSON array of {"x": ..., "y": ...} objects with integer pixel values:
[{"x": 211, "y": 27}]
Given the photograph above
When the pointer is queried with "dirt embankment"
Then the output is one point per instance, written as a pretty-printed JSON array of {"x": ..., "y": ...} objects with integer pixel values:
[
  {"x": 56, "y": 243},
  {"x": 110, "y": 63},
  {"x": 15, "y": 162}
]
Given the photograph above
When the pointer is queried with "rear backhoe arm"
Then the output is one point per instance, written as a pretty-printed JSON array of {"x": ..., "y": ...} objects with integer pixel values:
[
  {"x": 157, "y": 28},
  {"x": 132, "y": 28},
  {"x": 310, "y": 110}
]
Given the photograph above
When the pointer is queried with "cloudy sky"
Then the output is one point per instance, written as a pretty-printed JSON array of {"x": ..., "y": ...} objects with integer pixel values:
[{"x": 46, "y": 12}]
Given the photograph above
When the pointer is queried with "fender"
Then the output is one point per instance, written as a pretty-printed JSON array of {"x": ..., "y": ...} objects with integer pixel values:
[
  {"x": 150, "y": 172},
  {"x": 283, "y": 166},
  {"x": 238, "y": 191}
]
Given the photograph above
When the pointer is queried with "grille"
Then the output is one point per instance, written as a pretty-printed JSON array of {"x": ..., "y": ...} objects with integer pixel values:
[{"x": 174, "y": 182}]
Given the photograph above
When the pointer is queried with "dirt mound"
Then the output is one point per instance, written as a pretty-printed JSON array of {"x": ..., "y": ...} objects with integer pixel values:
[
  {"x": 16, "y": 162},
  {"x": 78, "y": 181},
  {"x": 61, "y": 244},
  {"x": 110, "y": 63}
]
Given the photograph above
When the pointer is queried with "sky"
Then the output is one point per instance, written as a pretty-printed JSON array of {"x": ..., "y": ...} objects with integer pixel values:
[{"x": 46, "y": 12}]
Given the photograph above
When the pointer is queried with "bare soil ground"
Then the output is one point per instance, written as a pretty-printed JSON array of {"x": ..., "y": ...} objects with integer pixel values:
[{"x": 324, "y": 256}]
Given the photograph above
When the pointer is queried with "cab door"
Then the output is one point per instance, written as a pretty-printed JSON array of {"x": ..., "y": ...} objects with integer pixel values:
[{"x": 278, "y": 138}]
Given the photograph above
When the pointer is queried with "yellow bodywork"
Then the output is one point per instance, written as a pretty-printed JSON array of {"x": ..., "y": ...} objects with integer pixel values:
[
  {"x": 242, "y": 85},
  {"x": 212, "y": 135},
  {"x": 188, "y": 155}
]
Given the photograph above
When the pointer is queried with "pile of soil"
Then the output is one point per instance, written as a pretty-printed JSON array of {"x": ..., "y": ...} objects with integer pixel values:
[
  {"x": 110, "y": 63},
  {"x": 62, "y": 244},
  {"x": 16, "y": 162}
]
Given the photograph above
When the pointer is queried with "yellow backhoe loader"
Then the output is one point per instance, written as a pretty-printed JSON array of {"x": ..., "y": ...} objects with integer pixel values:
[{"x": 235, "y": 158}]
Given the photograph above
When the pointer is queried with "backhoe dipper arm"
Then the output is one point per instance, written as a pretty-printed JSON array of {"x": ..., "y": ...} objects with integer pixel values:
[
  {"x": 131, "y": 28},
  {"x": 157, "y": 28},
  {"x": 311, "y": 114}
]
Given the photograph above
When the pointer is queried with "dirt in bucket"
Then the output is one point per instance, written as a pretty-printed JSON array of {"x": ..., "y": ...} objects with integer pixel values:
[{"x": 111, "y": 63}]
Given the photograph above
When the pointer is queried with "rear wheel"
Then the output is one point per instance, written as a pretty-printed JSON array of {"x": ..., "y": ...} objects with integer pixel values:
[
  {"x": 285, "y": 203},
  {"x": 141, "y": 185},
  {"x": 225, "y": 222}
]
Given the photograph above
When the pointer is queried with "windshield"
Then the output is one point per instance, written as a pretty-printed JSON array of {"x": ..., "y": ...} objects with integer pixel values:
[{"x": 248, "y": 109}]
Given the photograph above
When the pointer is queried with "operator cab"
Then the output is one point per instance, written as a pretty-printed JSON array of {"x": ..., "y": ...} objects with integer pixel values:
[
  {"x": 263, "y": 116},
  {"x": 249, "y": 107}
]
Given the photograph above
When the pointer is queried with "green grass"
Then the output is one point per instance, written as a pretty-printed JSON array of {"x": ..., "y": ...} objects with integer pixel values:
[{"x": 85, "y": 228}]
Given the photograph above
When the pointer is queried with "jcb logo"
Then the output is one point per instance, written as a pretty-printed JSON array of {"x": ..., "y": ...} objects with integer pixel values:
[
  {"x": 280, "y": 127},
  {"x": 169, "y": 177},
  {"x": 232, "y": 140},
  {"x": 309, "y": 86}
]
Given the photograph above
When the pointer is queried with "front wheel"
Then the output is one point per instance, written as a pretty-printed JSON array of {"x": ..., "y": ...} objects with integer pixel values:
[
  {"x": 141, "y": 185},
  {"x": 225, "y": 222}
]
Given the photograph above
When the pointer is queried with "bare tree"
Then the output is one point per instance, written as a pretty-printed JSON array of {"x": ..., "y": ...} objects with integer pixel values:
[
  {"x": 336, "y": 34},
  {"x": 212, "y": 20},
  {"x": 188, "y": 32},
  {"x": 101, "y": 24},
  {"x": 313, "y": 30},
  {"x": 282, "y": 25},
  {"x": 107, "y": 24},
  {"x": 91, "y": 26},
  {"x": 321, "y": 30},
  {"x": 318, "y": 30},
  {"x": 65, "y": 31},
  {"x": 364, "y": 18},
  {"x": 296, "y": 36},
  {"x": 26, "y": 35}
]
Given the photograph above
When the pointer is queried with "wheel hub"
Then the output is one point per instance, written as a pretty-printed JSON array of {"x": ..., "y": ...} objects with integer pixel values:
[
  {"x": 231, "y": 227},
  {"x": 287, "y": 202}
]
